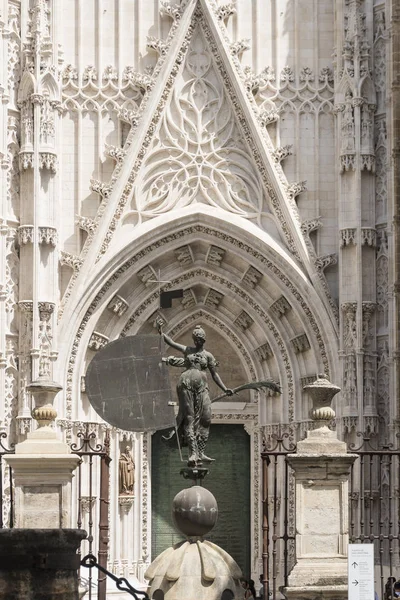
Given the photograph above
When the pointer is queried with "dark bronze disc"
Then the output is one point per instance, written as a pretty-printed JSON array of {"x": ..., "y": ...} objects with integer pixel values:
[{"x": 128, "y": 385}]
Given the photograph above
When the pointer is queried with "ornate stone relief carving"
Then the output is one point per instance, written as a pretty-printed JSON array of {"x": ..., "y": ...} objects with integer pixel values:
[
  {"x": 147, "y": 275},
  {"x": 118, "y": 305},
  {"x": 368, "y": 237},
  {"x": 215, "y": 256},
  {"x": 100, "y": 188},
  {"x": 48, "y": 236},
  {"x": 323, "y": 262},
  {"x": 25, "y": 234},
  {"x": 213, "y": 298},
  {"x": 87, "y": 224},
  {"x": 229, "y": 240},
  {"x": 252, "y": 277},
  {"x": 382, "y": 284},
  {"x": 243, "y": 321},
  {"x": 300, "y": 343},
  {"x": 307, "y": 380},
  {"x": 282, "y": 152},
  {"x": 225, "y": 11},
  {"x": 347, "y": 237},
  {"x": 349, "y": 310},
  {"x": 294, "y": 189},
  {"x": 97, "y": 341},
  {"x": 280, "y": 306},
  {"x": 189, "y": 299},
  {"x": 264, "y": 352},
  {"x": 70, "y": 260},
  {"x": 45, "y": 335},
  {"x": 237, "y": 48},
  {"x": 184, "y": 255},
  {"x": 311, "y": 225},
  {"x": 224, "y": 177}
]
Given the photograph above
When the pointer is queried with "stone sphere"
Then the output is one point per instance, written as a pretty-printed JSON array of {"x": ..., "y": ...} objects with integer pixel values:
[{"x": 194, "y": 511}]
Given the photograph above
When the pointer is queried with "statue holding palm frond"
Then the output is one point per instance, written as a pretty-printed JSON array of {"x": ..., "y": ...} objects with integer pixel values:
[{"x": 194, "y": 415}]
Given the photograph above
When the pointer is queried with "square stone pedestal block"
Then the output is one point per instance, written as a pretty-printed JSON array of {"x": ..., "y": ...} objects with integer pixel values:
[
  {"x": 39, "y": 564},
  {"x": 43, "y": 469}
]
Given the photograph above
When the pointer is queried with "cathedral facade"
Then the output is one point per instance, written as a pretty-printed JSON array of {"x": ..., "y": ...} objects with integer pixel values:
[{"x": 246, "y": 152}]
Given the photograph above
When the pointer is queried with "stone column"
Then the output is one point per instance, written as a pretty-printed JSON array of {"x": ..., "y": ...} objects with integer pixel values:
[
  {"x": 39, "y": 564},
  {"x": 43, "y": 466},
  {"x": 321, "y": 469}
]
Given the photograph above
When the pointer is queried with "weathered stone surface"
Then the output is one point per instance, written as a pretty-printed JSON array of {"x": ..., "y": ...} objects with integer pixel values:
[
  {"x": 195, "y": 569},
  {"x": 39, "y": 564}
]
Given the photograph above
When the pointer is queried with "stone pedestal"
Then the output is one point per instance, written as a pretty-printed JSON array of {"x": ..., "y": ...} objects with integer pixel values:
[
  {"x": 37, "y": 564},
  {"x": 321, "y": 469},
  {"x": 43, "y": 468}
]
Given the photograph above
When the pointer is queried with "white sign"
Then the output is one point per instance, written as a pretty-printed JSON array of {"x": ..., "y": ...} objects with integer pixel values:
[{"x": 361, "y": 572}]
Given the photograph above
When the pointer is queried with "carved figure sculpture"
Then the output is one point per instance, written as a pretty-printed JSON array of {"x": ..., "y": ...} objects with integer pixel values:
[
  {"x": 194, "y": 416},
  {"x": 126, "y": 472}
]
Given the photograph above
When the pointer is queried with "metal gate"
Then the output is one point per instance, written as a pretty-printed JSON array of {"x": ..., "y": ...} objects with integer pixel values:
[
  {"x": 374, "y": 509},
  {"x": 93, "y": 501},
  {"x": 278, "y": 523},
  {"x": 374, "y": 506}
]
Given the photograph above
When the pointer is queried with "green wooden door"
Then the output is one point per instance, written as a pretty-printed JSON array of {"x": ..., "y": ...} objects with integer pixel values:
[{"x": 228, "y": 480}]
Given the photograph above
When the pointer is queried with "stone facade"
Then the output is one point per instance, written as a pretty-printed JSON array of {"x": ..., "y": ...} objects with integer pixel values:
[{"x": 249, "y": 152}]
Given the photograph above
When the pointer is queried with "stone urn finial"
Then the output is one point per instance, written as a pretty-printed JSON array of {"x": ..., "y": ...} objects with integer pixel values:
[
  {"x": 44, "y": 393},
  {"x": 322, "y": 391}
]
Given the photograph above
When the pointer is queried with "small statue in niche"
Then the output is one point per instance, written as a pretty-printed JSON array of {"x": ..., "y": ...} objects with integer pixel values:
[{"x": 126, "y": 473}]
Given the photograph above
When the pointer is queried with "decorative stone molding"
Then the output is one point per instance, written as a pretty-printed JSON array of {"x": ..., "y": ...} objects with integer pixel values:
[
  {"x": 368, "y": 162},
  {"x": 368, "y": 237},
  {"x": 48, "y": 161},
  {"x": 189, "y": 299},
  {"x": 213, "y": 298},
  {"x": 125, "y": 503},
  {"x": 46, "y": 309},
  {"x": 48, "y": 236},
  {"x": 98, "y": 341},
  {"x": 87, "y": 503},
  {"x": 89, "y": 74},
  {"x": 287, "y": 75},
  {"x": 300, "y": 343},
  {"x": 184, "y": 255},
  {"x": 252, "y": 277},
  {"x": 147, "y": 275},
  {"x": 167, "y": 9},
  {"x": 110, "y": 74},
  {"x": 86, "y": 223},
  {"x": 280, "y": 306},
  {"x": 264, "y": 352},
  {"x": 118, "y": 305},
  {"x": 295, "y": 189},
  {"x": 306, "y": 75},
  {"x": 83, "y": 385},
  {"x": 311, "y": 225},
  {"x": 70, "y": 260},
  {"x": 25, "y": 160},
  {"x": 347, "y": 237},
  {"x": 24, "y": 424},
  {"x": 350, "y": 423},
  {"x": 323, "y": 262},
  {"x": 282, "y": 152},
  {"x": 237, "y": 48},
  {"x": 25, "y": 234},
  {"x": 326, "y": 75},
  {"x": 243, "y": 321},
  {"x": 215, "y": 256},
  {"x": 225, "y": 11},
  {"x": 347, "y": 162},
  {"x": 26, "y": 306},
  {"x": 117, "y": 154},
  {"x": 128, "y": 115},
  {"x": 98, "y": 187},
  {"x": 158, "y": 45},
  {"x": 266, "y": 117},
  {"x": 141, "y": 80}
]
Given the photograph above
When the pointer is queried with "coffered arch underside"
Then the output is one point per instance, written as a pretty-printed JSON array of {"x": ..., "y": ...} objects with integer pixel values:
[{"x": 248, "y": 292}]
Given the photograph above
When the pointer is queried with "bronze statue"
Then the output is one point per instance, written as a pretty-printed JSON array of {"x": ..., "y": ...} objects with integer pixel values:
[
  {"x": 126, "y": 472},
  {"x": 194, "y": 416}
]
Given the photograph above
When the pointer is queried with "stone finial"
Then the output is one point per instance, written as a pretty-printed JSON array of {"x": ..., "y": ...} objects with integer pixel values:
[{"x": 322, "y": 391}]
